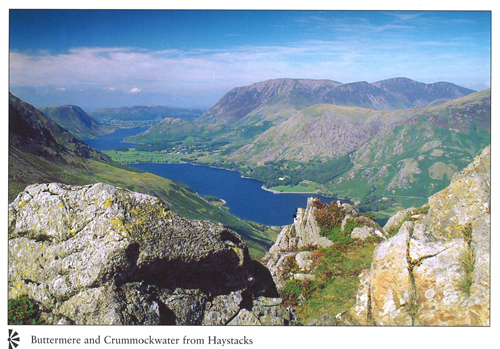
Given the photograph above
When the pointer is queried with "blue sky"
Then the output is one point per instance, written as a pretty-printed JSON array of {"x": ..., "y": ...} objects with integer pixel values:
[{"x": 192, "y": 58}]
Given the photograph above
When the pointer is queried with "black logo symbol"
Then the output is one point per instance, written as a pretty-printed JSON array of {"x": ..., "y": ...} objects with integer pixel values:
[{"x": 13, "y": 339}]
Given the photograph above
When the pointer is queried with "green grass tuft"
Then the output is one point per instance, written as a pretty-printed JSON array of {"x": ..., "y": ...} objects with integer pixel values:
[
  {"x": 336, "y": 280},
  {"x": 467, "y": 261},
  {"x": 23, "y": 311}
]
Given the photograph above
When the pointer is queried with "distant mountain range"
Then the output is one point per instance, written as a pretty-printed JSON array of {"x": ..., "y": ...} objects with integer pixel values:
[
  {"x": 146, "y": 115},
  {"x": 397, "y": 93},
  {"x": 75, "y": 120}
]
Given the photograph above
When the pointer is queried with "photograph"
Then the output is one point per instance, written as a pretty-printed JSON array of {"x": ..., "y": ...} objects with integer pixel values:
[{"x": 245, "y": 167}]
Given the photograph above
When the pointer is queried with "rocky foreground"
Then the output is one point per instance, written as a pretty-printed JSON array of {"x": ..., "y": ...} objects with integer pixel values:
[
  {"x": 436, "y": 270},
  {"x": 103, "y": 255},
  {"x": 433, "y": 271},
  {"x": 99, "y": 254}
]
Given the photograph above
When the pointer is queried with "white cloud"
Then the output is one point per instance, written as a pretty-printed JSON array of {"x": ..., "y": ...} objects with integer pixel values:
[
  {"x": 61, "y": 89},
  {"x": 200, "y": 72}
]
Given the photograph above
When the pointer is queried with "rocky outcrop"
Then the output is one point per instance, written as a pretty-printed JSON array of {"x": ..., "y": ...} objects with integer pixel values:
[
  {"x": 395, "y": 221},
  {"x": 436, "y": 270},
  {"x": 366, "y": 232},
  {"x": 324, "y": 320},
  {"x": 303, "y": 233},
  {"x": 290, "y": 257},
  {"x": 368, "y": 227},
  {"x": 99, "y": 255}
]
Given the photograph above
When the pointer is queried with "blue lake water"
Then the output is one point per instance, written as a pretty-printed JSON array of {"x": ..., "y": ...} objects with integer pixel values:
[
  {"x": 245, "y": 197},
  {"x": 113, "y": 140}
]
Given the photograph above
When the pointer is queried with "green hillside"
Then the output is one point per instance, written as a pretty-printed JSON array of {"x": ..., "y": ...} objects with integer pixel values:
[
  {"x": 25, "y": 169},
  {"x": 418, "y": 158},
  {"x": 76, "y": 121}
]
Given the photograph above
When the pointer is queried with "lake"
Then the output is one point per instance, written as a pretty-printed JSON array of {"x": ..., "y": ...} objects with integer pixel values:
[
  {"x": 113, "y": 140},
  {"x": 244, "y": 197}
]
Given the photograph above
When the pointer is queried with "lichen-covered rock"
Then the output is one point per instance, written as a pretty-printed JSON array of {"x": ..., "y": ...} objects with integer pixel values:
[
  {"x": 245, "y": 318},
  {"x": 223, "y": 308},
  {"x": 98, "y": 254},
  {"x": 304, "y": 232},
  {"x": 367, "y": 222},
  {"x": 436, "y": 270},
  {"x": 281, "y": 266},
  {"x": 366, "y": 232},
  {"x": 360, "y": 313},
  {"x": 265, "y": 311},
  {"x": 304, "y": 276},
  {"x": 304, "y": 260},
  {"x": 362, "y": 233},
  {"x": 324, "y": 320},
  {"x": 396, "y": 220}
]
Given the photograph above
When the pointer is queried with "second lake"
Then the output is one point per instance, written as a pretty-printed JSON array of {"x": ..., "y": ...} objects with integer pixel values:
[{"x": 245, "y": 197}]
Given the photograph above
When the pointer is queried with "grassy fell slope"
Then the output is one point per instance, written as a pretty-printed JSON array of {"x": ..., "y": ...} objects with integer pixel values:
[
  {"x": 315, "y": 132},
  {"x": 172, "y": 130},
  {"x": 76, "y": 121},
  {"x": 417, "y": 158},
  {"x": 328, "y": 131}
]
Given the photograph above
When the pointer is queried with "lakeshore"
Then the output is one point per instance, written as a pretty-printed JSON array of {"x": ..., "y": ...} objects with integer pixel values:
[{"x": 244, "y": 197}]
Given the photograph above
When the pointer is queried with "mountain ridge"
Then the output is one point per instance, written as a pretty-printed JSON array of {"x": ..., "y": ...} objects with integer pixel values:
[
  {"x": 240, "y": 101},
  {"x": 32, "y": 130},
  {"x": 75, "y": 120},
  {"x": 389, "y": 157},
  {"x": 142, "y": 115},
  {"x": 330, "y": 131},
  {"x": 423, "y": 94}
]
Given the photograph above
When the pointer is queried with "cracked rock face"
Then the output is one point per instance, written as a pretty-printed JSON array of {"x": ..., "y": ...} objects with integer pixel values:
[
  {"x": 417, "y": 277},
  {"x": 99, "y": 254},
  {"x": 304, "y": 232}
]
